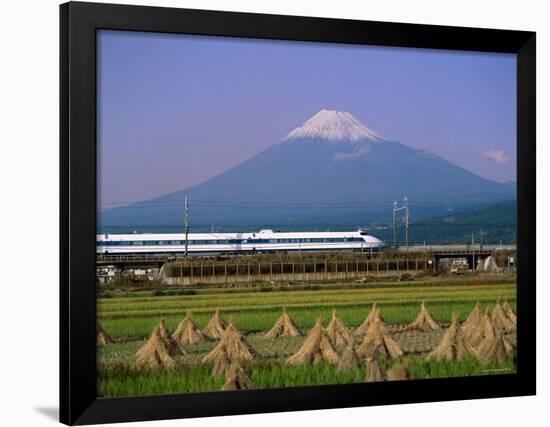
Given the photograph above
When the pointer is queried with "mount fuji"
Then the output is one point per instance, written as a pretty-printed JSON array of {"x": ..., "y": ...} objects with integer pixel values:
[{"x": 331, "y": 172}]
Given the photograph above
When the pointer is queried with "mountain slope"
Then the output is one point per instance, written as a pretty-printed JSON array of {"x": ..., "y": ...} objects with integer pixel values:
[
  {"x": 498, "y": 222},
  {"x": 331, "y": 172}
]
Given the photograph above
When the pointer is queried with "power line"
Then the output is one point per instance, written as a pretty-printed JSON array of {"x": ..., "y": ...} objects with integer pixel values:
[{"x": 288, "y": 204}]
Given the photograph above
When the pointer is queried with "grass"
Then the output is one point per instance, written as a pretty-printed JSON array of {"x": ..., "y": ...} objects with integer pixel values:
[
  {"x": 133, "y": 318},
  {"x": 124, "y": 381}
]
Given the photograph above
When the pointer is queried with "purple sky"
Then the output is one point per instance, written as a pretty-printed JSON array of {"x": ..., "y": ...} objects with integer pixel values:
[{"x": 175, "y": 110}]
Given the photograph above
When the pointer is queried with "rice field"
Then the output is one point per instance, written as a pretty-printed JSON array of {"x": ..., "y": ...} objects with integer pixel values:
[
  {"x": 134, "y": 317},
  {"x": 124, "y": 381},
  {"x": 129, "y": 320}
]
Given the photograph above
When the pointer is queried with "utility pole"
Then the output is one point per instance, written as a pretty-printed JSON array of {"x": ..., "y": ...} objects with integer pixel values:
[
  {"x": 481, "y": 239},
  {"x": 186, "y": 224},
  {"x": 404, "y": 218},
  {"x": 394, "y": 225},
  {"x": 473, "y": 254},
  {"x": 406, "y": 205}
]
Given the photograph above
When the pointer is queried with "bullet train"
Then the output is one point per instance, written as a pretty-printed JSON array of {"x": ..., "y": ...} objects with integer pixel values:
[{"x": 262, "y": 241}]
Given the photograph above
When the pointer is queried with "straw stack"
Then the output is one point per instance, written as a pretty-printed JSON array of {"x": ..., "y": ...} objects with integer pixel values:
[
  {"x": 215, "y": 327},
  {"x": 102, "y": 337},
  {"x": 316, "y": 348},
  {"x": 424, "y": 321},
  {"x": 187, "y": 332},
  {"x": 374, "y": 372},
  {"x": 348, "y": 360},
  {"x": 232, "y": 348},
  {"x": 159, "y": 350},
  {"x": 501, "y": 320},
  {"x": 338, "y": 334},
  {"x": 453, "y": 345},
  {"x": 373, "y": 316},
  {"x": 284, "y": 327},
  {"x": 237, "y": 378},
  {"x": 378, "y": 343}
]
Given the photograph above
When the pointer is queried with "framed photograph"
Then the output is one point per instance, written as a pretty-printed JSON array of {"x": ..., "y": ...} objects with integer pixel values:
[{"x": 267, "y": 213}]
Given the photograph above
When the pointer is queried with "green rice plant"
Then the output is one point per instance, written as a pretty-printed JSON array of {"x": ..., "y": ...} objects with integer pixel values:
[
  {"x": 201, "y": 302},
  {"x": 420, "y": 368},
  {"x": 124, "y": 381},
  {"x": 252, "y": 320}
]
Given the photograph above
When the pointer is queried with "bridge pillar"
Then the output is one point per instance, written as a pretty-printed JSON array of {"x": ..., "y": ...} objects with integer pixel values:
[{"x": 162, "y": 274}]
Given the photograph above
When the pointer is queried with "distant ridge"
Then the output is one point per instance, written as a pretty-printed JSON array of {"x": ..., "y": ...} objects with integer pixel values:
[
  {"x": 497, "y": 221},
  {"x": 333, "y": 172}
]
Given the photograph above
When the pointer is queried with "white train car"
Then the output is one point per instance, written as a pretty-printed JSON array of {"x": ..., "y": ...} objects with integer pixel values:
[{"x": 262, "y": 241}]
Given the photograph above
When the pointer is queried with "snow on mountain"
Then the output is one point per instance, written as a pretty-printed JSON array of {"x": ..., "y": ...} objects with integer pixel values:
[{"x": 334, "y": 126}]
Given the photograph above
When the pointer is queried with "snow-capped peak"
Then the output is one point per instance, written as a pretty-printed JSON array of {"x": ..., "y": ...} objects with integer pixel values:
[{"x": 334, "y": 126}]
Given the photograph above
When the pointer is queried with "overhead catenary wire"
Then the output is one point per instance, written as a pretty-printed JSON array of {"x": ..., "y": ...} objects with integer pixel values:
[{"x": 285, "y": 204}]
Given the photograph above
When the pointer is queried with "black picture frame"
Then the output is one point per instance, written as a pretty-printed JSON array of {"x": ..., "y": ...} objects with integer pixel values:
[{"x": 79, "y": 403}]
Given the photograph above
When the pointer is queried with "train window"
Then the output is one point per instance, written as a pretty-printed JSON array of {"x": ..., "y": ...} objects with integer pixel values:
[{"x": 137, "y": 243}]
